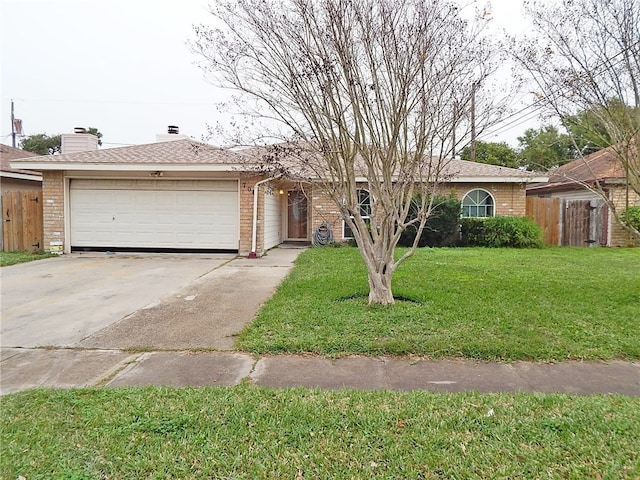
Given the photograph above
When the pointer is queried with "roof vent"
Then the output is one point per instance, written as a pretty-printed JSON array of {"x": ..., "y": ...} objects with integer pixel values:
[
  {"x": 173, "y": 130},
  {"x": 80, "y": 130}
]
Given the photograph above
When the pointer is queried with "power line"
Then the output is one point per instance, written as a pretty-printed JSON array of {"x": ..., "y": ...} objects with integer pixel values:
[
  {"x": 120, "y": 102},
  {"x": 503, "y": 127},
  {"x": 508, "y": 126},
  {"x": 604, "y": 65}
]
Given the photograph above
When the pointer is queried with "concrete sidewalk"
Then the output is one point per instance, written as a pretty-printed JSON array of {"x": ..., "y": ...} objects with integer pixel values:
[{"x": 67, "y": 368}]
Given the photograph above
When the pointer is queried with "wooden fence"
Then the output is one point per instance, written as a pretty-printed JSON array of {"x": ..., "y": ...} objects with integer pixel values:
[
  {"x": 22, "y": 221},
  {"x": 546, "y": 213},
  {"x": 577, "y": 223}
]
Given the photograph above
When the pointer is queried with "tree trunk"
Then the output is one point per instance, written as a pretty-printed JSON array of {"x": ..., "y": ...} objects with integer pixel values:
[
  {"x": 378, "y": 257},
  {"x": 380, "y": 288}
]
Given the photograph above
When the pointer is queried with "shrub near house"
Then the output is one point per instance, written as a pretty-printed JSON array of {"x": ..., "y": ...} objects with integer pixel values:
[
  {"x": 631, "y": 216},
  {"x": 445, "y": 228},
  {"x": 443, "y": 225},
  {"x": 495, "y": 232}
]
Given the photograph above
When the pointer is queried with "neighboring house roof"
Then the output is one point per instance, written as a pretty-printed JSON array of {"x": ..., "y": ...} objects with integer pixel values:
[
  {"x": 186, "y": 154},
  {"x": 7, "y": 155},
  {"x": 603, "y": 166}
]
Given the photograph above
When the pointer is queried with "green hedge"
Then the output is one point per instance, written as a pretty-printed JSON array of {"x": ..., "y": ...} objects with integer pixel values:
[
  {"x": 631, "y": 216},
  {"x": 442, "y": 228},
  {"x": 496, "y": 232}
]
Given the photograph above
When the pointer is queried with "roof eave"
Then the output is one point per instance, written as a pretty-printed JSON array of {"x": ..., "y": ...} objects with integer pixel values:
[{"x": 34, "y": 177}]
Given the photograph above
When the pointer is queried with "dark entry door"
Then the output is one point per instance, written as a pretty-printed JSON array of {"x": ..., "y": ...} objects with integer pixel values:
[{"x": 296, "y": 215}]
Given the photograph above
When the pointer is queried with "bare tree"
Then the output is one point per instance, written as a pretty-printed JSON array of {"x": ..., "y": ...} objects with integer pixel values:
[
  {"x": 587, "y": 59},
  {"x": 369, "y": 93}
]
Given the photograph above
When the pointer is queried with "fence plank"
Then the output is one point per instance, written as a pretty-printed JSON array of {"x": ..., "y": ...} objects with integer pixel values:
[
  {"x": 22, "y": 221},
  {"x": 32, "y": 220},
  {"x": 576, "y": 223},
  {"x": 546, "y": 213}
]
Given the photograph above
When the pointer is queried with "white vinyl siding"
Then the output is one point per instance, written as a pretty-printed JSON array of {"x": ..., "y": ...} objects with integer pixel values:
[
  {"x": 188, "y": 214},
  {"x": 271, "y": 219}
]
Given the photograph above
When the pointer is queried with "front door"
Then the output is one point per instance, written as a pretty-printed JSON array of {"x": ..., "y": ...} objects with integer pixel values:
[{"x": 296, "y": 215}]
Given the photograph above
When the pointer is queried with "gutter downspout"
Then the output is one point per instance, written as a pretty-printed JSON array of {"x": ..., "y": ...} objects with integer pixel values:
[{"x": 254, "y": 227}]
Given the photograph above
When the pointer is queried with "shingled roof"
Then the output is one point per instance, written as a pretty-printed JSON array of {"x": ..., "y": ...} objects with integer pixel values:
[
  {"x": 600, "y": 165},
  {"x": 186, "y": 152},
  {"x": 7, "y": 154},
  {"x": 292, "y": 157},
  {"x": 175, "y": 152},
  {"x": 603, "y": 166},
  {"x": 463, "y": 168}
]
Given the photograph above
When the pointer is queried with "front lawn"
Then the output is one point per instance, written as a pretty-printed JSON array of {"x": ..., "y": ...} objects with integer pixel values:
[
  {"x": 248, "y": 432},
  {"x": 13, "y": 258},
  {"x": 492, "y": 304}
]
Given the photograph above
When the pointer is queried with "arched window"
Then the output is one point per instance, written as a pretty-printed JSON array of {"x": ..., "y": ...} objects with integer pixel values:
[
  {"x": 478, "y": 203},
  {"x": 364, "y": 205}
]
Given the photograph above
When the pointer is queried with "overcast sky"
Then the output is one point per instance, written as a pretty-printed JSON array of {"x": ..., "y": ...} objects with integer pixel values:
[{"x": 123, "y": 66}]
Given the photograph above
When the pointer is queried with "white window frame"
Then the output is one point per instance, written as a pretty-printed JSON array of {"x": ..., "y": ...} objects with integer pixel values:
[{"x": 479, "y": 206}]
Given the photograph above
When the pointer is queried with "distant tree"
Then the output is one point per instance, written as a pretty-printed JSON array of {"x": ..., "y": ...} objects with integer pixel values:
[
  {"x": 94, "y": 131},
  {"x": 586, "y": 59},
  {"x": 588, "y": 131},
  {"x": 545, "y": 147},
  {"x": 41, "y": 144},
  {"x": 493, "y": 153}
]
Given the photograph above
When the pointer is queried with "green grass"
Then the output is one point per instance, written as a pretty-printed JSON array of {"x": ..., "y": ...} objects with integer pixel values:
[
  {"x": 491, "y": 304},
  {"x": 248, "y": 432},
  {"x": 12, "y": 258}
]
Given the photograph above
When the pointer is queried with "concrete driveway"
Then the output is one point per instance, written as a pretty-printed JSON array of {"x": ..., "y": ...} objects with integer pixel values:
[{"x": 134, "y": 300}]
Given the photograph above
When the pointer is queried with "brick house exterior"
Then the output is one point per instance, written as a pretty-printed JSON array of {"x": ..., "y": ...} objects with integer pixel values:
[
  {"x": 510, "y": 200},
  {"x": 185, "y": 195}
]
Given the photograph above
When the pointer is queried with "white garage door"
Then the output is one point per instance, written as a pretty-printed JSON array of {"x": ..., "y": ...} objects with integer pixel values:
[{"x": 197, "y": 214}]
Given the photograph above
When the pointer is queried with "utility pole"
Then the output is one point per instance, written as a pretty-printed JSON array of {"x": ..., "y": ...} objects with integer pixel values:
[
  {"x": 455, "y": 125},
  {"x": 16, "y": 126},
  {"x": 13, "y": 128},
  {"x": 472, "y": 152}
]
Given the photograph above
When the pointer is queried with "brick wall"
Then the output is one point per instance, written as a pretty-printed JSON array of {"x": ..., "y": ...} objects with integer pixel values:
[
  {"x": 618, "y": 235},
  {"x": 52, "y": 207},
  {"x": 510, "y": 198},
  {"x": 324, "y": 210}
]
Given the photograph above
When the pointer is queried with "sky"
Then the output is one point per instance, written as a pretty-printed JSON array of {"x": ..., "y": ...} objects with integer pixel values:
[{"x": 124, "y": 67}]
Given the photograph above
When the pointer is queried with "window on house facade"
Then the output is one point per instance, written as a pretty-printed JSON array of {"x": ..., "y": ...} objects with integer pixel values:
[
  {"x": 478, "y": 203},
  {"x": 364, "y": 206}
]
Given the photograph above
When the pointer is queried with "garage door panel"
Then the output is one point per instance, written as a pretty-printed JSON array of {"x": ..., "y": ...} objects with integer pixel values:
[{"x": 104, "y": 214}]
